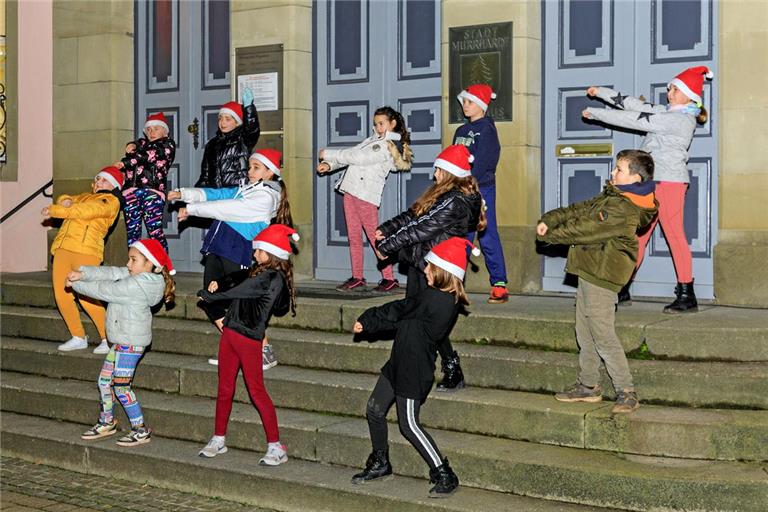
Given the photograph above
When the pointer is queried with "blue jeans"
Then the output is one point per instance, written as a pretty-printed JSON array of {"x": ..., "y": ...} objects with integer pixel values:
[{"x": 489, "y": 240}]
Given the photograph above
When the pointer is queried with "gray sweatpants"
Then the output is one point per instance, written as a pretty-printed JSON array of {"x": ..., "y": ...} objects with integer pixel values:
[{"x": 596, "y": 335}]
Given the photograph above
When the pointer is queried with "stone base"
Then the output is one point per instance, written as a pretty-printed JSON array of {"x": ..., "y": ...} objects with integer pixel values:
[
  {"x": 523, "y": 264},
  {"x": 740, "y": 268}
]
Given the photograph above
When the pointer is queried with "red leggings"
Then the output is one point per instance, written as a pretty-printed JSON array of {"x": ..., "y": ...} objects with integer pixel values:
[
  {"x": 236, "y": 351},
  {"x": 671, "y": 197},
  {"x": 361, "y": 216}
]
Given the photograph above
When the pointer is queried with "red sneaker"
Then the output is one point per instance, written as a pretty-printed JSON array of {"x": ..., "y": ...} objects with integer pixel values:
[
  {"x": 499, "y": 295},
  {"x": 350, "y": 284},
  {"x": 387, "y": 285}
]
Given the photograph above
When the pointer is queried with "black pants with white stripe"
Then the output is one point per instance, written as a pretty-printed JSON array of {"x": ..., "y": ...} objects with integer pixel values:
[{"x": 379, "y": 403}]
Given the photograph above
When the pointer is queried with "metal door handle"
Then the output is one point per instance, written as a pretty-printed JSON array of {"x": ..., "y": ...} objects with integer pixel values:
[{"x": 194, "y": 129}]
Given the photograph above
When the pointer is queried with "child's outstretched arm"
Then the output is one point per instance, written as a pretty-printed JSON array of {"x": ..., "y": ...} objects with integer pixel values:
[
  {"x": 102, "y": 206},
  {"x": 623, "y": 101},
  {"x": 589, "y": 228},
  {"x": 94, "y": 273},
  {"x": 123, "y": 291},
  {"x": 357, "y": 156},
  {"x": 641, "y": 121},
  {"x": 385, "y": 317},
  {"x": 253, "y": 287},
  {"x": 418, "y": 229}
]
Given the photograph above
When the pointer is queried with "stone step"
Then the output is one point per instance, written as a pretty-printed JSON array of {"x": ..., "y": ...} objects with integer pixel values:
[
  {"x": 297, "y": 486},
  {"x": 507, "y": 466},
  {"x": 693, "y": 383},
  {"x": 525, "y": 321},
  {"x": 653, "y": 430}
]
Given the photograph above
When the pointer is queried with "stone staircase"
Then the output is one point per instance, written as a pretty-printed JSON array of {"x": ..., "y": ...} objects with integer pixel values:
[{"x": 700, "y": 441}]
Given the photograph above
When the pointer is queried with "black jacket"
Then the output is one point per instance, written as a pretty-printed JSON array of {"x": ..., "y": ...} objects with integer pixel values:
[
  {"x": 254, "y": 300},
  {"x": 225, "y": 159},
  {"x": 411, "y": 237},
  {"x": 148, "y": 165},
  {"x": 420, "y": 323}
]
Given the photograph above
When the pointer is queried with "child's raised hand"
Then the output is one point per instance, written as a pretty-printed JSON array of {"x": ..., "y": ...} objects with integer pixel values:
[
  {"x": 174, "y": 195},
  {"x": 213, "y": 286},
  {"x": 323, "y": 167},
  {"x": 541, "y": 229},
  {"x": 592, "y": 91},
  {"x": 357, "y": 328},
  {"x": 247, "y": 96},
  {"x": 130, "y": 148},
  {"x": 182, "y": 215}
]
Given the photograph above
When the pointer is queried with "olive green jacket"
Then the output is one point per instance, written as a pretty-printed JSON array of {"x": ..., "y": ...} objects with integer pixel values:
[{"x": 602, "y": 234}]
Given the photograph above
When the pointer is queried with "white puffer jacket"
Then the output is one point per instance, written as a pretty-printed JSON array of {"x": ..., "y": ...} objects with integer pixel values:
[{"x": 369, "y": 163}]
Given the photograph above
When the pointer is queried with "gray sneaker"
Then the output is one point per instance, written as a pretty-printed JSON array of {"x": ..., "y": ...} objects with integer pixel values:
[
  {"x": 268, "y": 359},
  {"x": 626, "y": 402},
  {"x": 580, "y": 393},
  {"x": 213, "y": 448},
  {"x": 137, "y": 436}
]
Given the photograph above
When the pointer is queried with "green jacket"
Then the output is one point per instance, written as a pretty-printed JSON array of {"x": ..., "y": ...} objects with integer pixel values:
[{"x": 602, "y": 234}]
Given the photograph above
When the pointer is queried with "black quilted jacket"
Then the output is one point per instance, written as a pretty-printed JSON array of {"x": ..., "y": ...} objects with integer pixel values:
[
  {"x": 225, "y": 160},
  {"x": 411, "y": 237}
]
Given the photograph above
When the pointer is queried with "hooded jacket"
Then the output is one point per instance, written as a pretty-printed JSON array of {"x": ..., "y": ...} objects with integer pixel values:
[
  {"x": 225, "y": 159},
  {"x": 482, "y": 140},
  {"x": 412, "y": 237},
  {"x": 129, "y": 298},
  {"x": 254, "y": 300},
  {"x": 602, "y": 232},
  {"x": 86, "y": 222},
  {"x": 369, "y": 163}
]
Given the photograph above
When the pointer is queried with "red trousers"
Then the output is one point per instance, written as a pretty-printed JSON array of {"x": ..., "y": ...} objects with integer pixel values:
[
  {"x": 237, "y": 351},
  {"x": 671, "y": 197},
  {"x": 362, "y": 216}
]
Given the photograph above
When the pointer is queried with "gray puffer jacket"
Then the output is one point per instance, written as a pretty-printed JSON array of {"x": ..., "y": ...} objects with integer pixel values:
[
  {"x": 669, "y": 131},
  {"x": 129, "y": 318}
]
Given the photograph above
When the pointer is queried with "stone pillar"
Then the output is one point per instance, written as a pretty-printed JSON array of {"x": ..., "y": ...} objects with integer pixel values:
[
  {"x": 518, "y": 175},
  {"x": 288, "y": 23},
  {"x": 93, "y": 112},
  {"x": 741, "y": 253}
]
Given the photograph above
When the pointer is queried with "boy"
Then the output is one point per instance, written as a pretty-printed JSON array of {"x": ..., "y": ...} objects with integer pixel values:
[
  {"x": 480, "y": 136},
  {"x": 602, "y": 234}
]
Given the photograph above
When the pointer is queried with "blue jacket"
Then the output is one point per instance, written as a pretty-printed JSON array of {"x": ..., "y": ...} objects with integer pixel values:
[{"x": 482, "y": 140}]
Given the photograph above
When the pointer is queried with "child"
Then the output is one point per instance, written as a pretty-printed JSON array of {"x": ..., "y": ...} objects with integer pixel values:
[
  {"x": 669, "y": 132},
  {"x": 479, "y": 135},
  {"x": 421, "y": 322},
  {"x": 241, "y": 213},
  {"x": 450, "y": 207},
  {"x": 268, "y": 291},
  {"x": 362, "y": 185},
  {"x": 88, "y": 217},
  {"x": 225, "y": 159},
  {"x": 146, "y": 165},
  {"x": 130, "y": 291},
  {"x": 602, "y": 234}
]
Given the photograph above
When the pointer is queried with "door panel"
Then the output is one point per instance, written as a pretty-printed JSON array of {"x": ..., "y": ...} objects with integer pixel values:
[{"x": 362, "y": 63}]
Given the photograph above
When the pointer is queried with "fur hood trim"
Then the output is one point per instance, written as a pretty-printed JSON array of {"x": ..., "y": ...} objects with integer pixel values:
[{"x": 404, "y": 160}]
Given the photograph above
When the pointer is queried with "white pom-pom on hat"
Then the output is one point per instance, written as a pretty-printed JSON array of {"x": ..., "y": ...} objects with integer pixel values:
[
  {"x": 475, "y": 251},
  {"x": 471, "y": 158},
  {"x": 709, "y": 74},
  {"x": 493, "y": 95},
  {"x": 295, "y": 237}
]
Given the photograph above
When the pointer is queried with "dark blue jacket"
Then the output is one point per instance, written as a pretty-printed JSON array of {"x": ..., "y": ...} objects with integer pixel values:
[{"x": 482, "y": 140}]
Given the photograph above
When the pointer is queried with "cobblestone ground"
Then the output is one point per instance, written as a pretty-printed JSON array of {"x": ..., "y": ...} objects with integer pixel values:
[{"x": 28, "y": 487}]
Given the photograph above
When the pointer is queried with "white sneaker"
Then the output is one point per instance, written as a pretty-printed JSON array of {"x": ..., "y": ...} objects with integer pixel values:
[
  {"x": 214, "y": 362},
  {"x": 76, "y": 343},
  {"x": 214, "y": 447},
  {"x": 276, "y": 454},
  {"x": 103, "y": 348},
  {"x": 268, "y": 358}
]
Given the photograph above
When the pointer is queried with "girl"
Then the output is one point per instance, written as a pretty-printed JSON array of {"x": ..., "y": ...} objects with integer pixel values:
[
  {"x": 362, "y": 185},
  {"x": 421, "y": 322},
  {"x": 146, "y": 165},
  {"x": 241, "y": 213},
  {"x": 669, "y": 132},
  {"x": 131, "y": 293},
  {"x": 269, "y": 290},
  {"x": 88, "y": 217},
  {"x": 225, "y": 159},
  {"x": 450, "y": 207}
]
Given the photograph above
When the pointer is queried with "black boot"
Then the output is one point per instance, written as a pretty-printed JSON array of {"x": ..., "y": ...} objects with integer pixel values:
[
  {"x": 453, "y": 377},
  {"x": 685, "y": 301},
  {"x": 625, "y": 299},
  {"x": 377, "y": 467},
  {"x": 445, "y": 481}
]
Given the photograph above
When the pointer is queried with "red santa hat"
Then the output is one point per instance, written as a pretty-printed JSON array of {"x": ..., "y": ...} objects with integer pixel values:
[
  {"x": 691, "y": 82},
  {"x": 276, "y": 240},
  {"x": 156, "y": 120},
  {"x": 234, "y": 110},
  {"x": 154, "y": 252},
  {"x": 481, "y": 94},
  {"x": 270, "y": 158},
  {"x": 113, "y": 175},
  {"x": 455, "y": 160},
  {"x": 451, "y": 255}
]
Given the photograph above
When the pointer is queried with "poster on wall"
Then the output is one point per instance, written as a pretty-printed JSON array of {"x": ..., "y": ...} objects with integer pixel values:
[
  {"x": 264, "y": 89},
  {"x": 481, "y": 54}
]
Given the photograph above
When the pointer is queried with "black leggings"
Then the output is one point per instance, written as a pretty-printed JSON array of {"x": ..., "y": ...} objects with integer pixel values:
[
  {"x": 379, "y": 403},
  {"x": 217, "y": 267},
  {"x": 417, "y": 281}
]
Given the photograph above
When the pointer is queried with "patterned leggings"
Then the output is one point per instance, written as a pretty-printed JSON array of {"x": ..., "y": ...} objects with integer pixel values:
[
  {"x": 148, "y": 205},
  {"x": 115, "y": 379}
]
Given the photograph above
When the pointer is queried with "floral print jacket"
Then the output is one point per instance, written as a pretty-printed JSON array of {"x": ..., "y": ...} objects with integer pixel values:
[{"x": 147, "y": 166}]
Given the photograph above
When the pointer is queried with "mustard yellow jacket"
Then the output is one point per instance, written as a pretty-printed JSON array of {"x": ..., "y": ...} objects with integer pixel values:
[{"x": 86, "y": 222}]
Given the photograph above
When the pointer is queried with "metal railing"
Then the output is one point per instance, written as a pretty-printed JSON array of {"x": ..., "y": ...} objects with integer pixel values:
[{"x": 22, "y": 204}]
